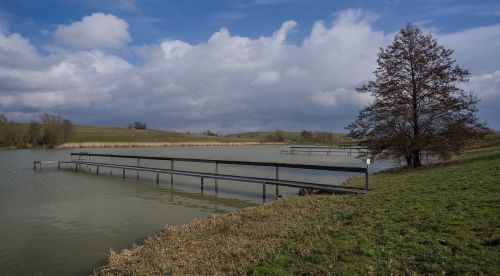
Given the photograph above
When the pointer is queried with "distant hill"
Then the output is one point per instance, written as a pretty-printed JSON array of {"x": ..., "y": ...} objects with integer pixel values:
[{"x": 82, "y": 134}]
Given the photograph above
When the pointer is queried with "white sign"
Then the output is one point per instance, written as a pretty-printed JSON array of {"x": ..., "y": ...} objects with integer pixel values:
[{"x": 368, "y": 161}]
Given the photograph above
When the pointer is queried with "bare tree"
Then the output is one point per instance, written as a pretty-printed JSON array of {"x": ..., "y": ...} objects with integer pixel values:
[
  {"x": 54, "y": 132},
  {"x": 139, "y": 125},
  {"x": 279, "y": 136},
  {"x": 35, "y": 133},
  {"x": 417, "y": 101},
  {"x": 306, "y": 135}
]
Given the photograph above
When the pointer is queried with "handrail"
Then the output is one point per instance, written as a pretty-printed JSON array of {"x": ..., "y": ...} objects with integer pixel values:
[{"x": 232, "y": 162}]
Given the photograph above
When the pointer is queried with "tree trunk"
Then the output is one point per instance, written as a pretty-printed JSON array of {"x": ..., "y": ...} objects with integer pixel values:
[
  {"x": 416, "y": 159},
  {"x": 409, "y": 161}
]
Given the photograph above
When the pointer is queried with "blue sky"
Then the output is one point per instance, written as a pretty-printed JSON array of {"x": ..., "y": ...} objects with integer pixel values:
[
  {"x": 229, "y": 65},
  {"x": 195, "y": 20}
]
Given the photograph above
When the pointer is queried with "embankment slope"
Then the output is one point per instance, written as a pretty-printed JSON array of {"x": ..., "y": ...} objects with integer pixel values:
[{"x": 443, "y": 219}]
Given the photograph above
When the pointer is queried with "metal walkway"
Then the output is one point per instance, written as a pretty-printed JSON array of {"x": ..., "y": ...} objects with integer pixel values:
[{"x": 276, "y": 181}]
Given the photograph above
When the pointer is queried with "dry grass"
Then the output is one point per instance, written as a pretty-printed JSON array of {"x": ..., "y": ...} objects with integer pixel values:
[
  {"x": 156, "y": 144},
  {"x": 226, "y": 244}
]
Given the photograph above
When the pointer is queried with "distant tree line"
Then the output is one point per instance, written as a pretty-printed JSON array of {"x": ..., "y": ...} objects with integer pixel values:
[
  {"x": 49, "y": 131},
  {"x": 137, "y": 125},
  {"x": 316, "y": 136},
  {"x": 277, "y": 136},
  {"x": 210, "y": 133}
]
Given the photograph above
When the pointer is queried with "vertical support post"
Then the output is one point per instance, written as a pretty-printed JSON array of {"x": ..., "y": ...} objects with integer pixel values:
[
  {"x": 97, "y": 170},
  {"x": 88, "y": 160},
  {"x": 171, "y": 173},
  {"x": 138, "y": 164},
  {"x": 277, "y": 177},
  {"x": 111, "y": 168},
  {"x": 58, "y": 165},
  {"x": 202, "y": 178},
  {"x": 123, "y": 173},
  {"x": 157, "y": 177},
  {"x": 34, "y": 166},
  {"x": 264, "y": 191},
  {"x": 76, "y": 166},
  {"x": 216, "y": 180}
]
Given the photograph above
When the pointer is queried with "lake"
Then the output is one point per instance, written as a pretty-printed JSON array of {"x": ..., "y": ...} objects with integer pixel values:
[{"x": 59, "y": 222}]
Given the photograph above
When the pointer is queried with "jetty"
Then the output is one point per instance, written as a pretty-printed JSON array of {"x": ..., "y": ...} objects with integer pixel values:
[{"x": 122, "y": 162}]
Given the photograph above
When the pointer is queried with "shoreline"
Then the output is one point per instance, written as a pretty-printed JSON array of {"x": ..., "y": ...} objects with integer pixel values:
[
  {"x": 343, "y": 234},
  {"x": 158, "y": 144}
]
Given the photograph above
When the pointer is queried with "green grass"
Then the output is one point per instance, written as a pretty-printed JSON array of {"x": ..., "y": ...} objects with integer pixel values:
[
  {"x": 443, "y": 219},
  {"x": 83, "y": 134},
  {"x": 294, "y": 137},
  {"x": 86, "y": 134}
]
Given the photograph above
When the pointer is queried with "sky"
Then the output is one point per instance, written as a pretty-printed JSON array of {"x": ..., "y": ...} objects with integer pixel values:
[{"x": 227, "y": 65}]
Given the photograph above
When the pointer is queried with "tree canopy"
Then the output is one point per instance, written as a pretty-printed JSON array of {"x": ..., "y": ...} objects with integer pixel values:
[{"x": 418, "y": 101}]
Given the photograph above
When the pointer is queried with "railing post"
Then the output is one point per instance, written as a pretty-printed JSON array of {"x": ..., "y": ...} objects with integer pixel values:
[
  {"x": 202, "y": 178},
  {"x": 216, "y": 180},
  {"x": 138, "y": 165},
  {"x": 264, "y": 191},
  {"x": 157, "y": 177},
  {"x": 277, "y": 177},
  {"x": 171, "y": 171},
  {"x": 76, "y": 166}
]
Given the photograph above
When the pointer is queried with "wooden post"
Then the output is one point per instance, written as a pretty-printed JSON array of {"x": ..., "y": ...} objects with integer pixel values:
[
  {"x": 202, "y": 184},
  {"x": 157, "y": 177}
]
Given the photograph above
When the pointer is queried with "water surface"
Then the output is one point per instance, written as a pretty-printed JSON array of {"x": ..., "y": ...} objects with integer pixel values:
[{"x": 58, "y": 222}]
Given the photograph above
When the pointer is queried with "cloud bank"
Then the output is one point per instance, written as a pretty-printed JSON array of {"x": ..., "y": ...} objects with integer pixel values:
[
  {"x": 94, "y": 32},
  {"x": 227, "y": 83}
]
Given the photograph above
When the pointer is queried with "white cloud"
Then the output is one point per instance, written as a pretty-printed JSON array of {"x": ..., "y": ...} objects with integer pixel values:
[
  {"x": 227, "y": 83},
  {"x": 96, "y": 31},
  {"x": 476, "y": 48}
]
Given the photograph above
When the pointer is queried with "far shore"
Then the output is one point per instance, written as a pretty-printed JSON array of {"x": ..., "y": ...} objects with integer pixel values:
[{"x": 158, "y": 144}]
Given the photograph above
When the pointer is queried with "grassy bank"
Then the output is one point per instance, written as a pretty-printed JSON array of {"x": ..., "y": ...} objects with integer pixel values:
[
  {"x": 90, "y": 134},
  {"x": 86, "y": 134},
  {"x": 18, "y": 135},
  {"x": 443, "y": 219}
]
